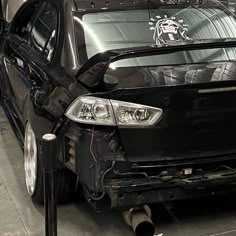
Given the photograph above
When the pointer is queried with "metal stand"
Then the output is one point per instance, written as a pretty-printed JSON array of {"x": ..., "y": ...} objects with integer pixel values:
[{"x": 49, "y": 160}]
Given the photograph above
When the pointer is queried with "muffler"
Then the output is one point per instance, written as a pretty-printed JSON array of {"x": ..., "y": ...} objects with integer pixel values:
[{"x": 139, "y": 218}]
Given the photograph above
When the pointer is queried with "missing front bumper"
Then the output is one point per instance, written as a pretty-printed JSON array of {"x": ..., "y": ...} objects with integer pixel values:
[{"x": 128, "y": 193}]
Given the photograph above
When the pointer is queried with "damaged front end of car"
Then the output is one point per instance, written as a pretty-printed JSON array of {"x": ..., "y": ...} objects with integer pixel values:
[
  {"x": 114, "y": 178},
  {"x": 140, "y": 145}
]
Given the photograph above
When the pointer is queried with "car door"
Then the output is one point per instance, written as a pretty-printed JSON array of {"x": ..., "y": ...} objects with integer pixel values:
[
  {"x": 19, "y": 82},
  {"x": 40, "y": 38}
]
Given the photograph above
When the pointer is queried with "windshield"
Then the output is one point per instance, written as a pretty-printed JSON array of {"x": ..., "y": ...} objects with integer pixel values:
[{"x": 158, "y": 26}]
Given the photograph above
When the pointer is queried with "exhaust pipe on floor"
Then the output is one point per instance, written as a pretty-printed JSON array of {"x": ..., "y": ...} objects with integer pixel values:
[{"x": 139, "y": 218}]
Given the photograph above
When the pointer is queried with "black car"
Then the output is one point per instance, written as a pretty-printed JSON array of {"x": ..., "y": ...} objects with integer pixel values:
[{"x": 140, "y": 94}]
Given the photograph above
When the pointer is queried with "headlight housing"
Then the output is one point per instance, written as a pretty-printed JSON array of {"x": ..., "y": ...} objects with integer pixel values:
[
  {"x": 99, "y": 111},
  {"x": 91, "y": 110},
  {"x": 132, "y": 114}
]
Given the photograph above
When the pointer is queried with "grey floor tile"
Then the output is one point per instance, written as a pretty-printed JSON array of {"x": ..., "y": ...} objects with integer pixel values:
[{"x": 10, "y": 222}]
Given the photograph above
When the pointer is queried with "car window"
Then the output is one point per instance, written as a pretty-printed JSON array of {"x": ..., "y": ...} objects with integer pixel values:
[
  {"x": 44, "y": 31},
  {"x": 22, "y": 23}
]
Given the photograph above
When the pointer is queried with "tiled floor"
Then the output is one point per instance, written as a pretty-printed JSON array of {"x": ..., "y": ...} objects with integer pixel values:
[{"x": 20, "y": 217}]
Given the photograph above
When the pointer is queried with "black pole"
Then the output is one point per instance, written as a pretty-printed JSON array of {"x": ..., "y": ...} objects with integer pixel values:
[{"x": 49, "y": 161}]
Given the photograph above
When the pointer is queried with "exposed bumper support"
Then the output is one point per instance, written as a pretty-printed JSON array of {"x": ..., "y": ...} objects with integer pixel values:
[{"x": 127, "y": 193}]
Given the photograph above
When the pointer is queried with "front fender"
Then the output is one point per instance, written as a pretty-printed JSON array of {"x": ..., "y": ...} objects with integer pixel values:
[{"x": 40, "y": 124}]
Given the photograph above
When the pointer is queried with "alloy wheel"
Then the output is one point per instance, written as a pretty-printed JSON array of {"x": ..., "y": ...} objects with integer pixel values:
[{"x": 30, "y": 159}]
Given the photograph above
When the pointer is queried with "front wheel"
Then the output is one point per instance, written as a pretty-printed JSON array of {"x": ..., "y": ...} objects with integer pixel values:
[{"x": 66, "y": 180}]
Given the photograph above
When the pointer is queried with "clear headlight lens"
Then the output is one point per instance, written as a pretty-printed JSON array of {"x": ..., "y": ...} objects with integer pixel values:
[
  {"x": 131, "y": 114},
  {"x": 91, "y": 110},
  {"x": 99, "y": 111}
]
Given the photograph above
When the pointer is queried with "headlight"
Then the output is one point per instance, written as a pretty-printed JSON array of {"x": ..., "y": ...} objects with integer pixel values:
[
  {"x": 91, "y": 110},
  {"x": 131, "y": 114},
  {"x": 99, "y": 111}
]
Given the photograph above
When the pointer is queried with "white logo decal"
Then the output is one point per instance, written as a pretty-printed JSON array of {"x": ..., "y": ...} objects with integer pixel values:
[{"x": 168, "y": 29}]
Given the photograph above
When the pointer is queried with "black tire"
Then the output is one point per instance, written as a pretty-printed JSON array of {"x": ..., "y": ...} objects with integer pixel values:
[
  {"x": 225, "y": 72},
  {"x": 65, "y": 182}
]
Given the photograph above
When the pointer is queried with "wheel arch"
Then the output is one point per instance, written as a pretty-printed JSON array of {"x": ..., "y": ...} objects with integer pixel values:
[{"x": 39, "y": 123}]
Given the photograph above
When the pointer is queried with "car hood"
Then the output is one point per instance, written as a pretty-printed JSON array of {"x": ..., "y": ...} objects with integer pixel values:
[{"x": 97, "y": 74}]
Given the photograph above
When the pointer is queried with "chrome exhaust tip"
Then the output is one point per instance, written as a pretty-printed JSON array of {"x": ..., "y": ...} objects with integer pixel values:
[{"x": 139, "y": 218}]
